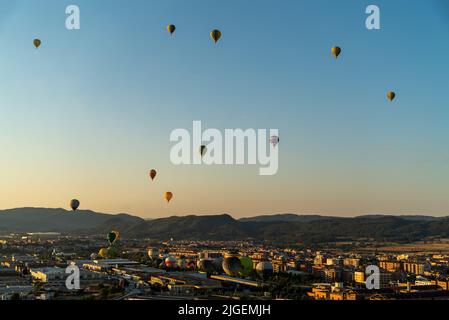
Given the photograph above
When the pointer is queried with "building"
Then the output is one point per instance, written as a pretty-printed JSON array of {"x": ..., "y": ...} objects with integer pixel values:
[
  {"x": 351, "y": 262},
  {"x": 180, "y": 283},
  {"x": 414, "y": 268},
  {"x": 359, "y": 277},
  {"x": 390, "y": 266},
  {"x": 107, "y": 264},
  {"x": 54, "y": 276},
  {"x": 333, "y": 274},
  {"x": 384, "y": 279},
  {"x": 319, "y": 259}
]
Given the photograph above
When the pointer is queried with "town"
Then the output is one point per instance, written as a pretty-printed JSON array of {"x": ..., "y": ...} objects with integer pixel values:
[{"x": 33, "y": 267}]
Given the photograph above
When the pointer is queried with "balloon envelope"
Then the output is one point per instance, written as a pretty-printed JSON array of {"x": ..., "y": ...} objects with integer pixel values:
[
  {"x": 206, "y": 265},
  {"x": 391, "y": 95},
  {"x": 264, "y": 268},
  {"x": 215, "y": 35},
  {"x": 171, "y": 28},
  {"x": 153, "y": 253},
  {"x": 170, "y": 262},
  {"x": 113, "y": 237},
  {"x": 232, "y": 266},
  {"x": 247, "y": 266},
  {"x": 274, "y": 140},
  {"x": 153, "y": 174},
  {"x": 103, "y": 252},
  {"x": 74, "y": 204},
  {"x": 336, "y": 51},
  {"x": 37, "y": 43},
  {"x": 168, "y": 196}
]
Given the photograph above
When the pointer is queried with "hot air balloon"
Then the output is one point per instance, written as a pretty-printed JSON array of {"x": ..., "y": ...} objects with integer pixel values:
[
  {"x": 74, "y": 204},
  {"x": 391, "y": 95},
  {"x": 232, "y": 266},
  {"x": 158, "y": 261},
  {"x": 37, "y": 43},
  {"x": 206, "y": 265},
  {"x": 171, "y": 28},
  {"x": 203, "y": 150},
  {"x": 153, "y": 253},
  {"x": 247, "y": 266},
  {"x": 103, "y": 253},
  {"x": 153, "y": 174},
  {"x": 181, "y": 263},
  {"x": 170, "y": 262},
  {"x": 190, "y": 264},
  {"x": 168, "y": 196},
  {"x": 218, "y": 265},
  {"x": 113, "y": 237},
  {"x": 215, "y": 35},
  {"x": 336, "y": 51},
  {"x": 274, "y": 140},
  {"x": 264, "y": 269}
]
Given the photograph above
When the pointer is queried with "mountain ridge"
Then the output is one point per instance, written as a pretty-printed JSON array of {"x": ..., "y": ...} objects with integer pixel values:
[{"x": 279, "y": 227}]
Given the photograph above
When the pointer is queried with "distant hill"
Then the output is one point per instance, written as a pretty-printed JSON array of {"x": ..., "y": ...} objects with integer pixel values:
[
  {"x": 286, "y": 217},
  {"x": 60, "y": 220},
  {"x": 309, "y": 230},
  {"x": 405, "y": 217},
  {"x": 216, "y": 227},
  {"x": 280, "y": 228},
  {"x": 291, "y": 217}
]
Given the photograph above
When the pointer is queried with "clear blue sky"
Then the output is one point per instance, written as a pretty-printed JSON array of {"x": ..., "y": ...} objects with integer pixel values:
[{"x": 91, "y": 111}]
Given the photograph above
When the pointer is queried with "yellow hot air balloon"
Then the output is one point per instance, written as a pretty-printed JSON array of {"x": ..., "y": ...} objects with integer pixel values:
[
  {"x": 215, "y": 35},
  {"x": 171, "y": 28},
  {"x": 103, "y": 253},
  {"x": 37, "y": 43},
  {"x": 391, "y": 95},
  {"x": 168, "y": 196},
  {"x": 336, "y": 51}
]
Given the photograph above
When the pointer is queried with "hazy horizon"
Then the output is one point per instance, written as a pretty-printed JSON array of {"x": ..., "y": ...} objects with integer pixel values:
[
  {"x": 90, "y": 112},
  {"x": 230, "y": 214}
]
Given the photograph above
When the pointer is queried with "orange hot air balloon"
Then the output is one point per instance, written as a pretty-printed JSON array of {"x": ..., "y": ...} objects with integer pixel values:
[
  {"x": 37, "y": 43},
  {"x": 391, "y": 95},
  {"x": 168, "y": 196},
  {"x": 336, "y": 51},
  {"x": 153, "y": 174}
]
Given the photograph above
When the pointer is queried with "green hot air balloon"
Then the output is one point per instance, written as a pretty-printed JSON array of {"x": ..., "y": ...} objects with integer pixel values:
[
  {"x": 113, "y": 237},
  {"x": 247, "y": 266}
]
